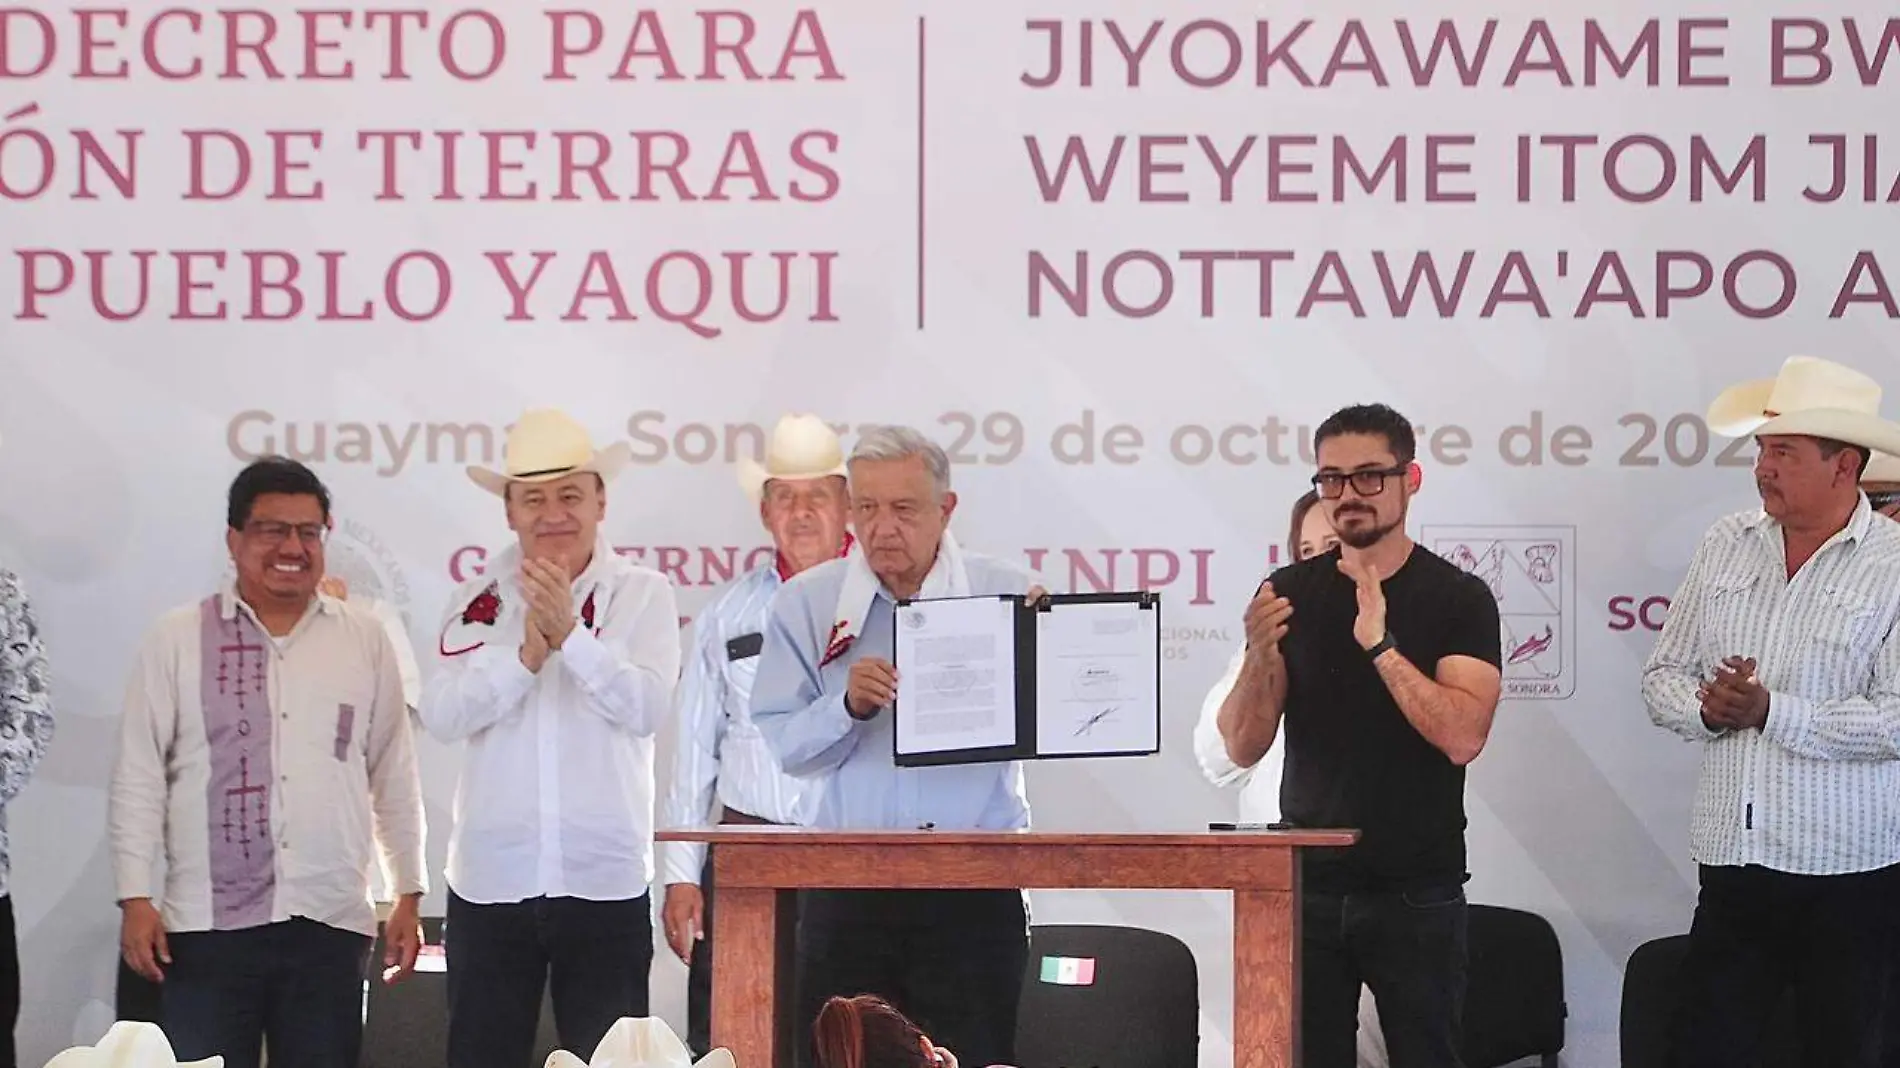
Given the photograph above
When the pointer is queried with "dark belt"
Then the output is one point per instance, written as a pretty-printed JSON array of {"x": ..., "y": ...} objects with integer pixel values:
[{"x": 729, "y": 814}]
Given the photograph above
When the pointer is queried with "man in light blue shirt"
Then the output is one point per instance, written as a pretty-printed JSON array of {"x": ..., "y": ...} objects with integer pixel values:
[
  {"x": 950, "y": 959},
  {"x": 723, "y": 770}
]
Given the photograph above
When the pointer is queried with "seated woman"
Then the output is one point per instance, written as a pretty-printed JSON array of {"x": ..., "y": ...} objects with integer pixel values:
[{"x": 867, "y": 1032}]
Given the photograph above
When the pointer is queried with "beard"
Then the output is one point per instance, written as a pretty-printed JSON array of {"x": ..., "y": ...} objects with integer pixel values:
[{"x": 1363, "y": 536}]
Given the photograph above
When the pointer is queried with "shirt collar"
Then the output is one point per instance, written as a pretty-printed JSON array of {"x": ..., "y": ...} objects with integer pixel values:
[
  {"x": 1858, "y": 523},
  {"x": 229, "y": 603}
]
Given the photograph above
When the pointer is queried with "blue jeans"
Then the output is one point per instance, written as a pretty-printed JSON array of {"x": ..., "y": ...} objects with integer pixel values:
[
  {"x": 296, "y": 985},
  {"x": 592, "y": 958},
  {"x": 1409, "y": 947}
]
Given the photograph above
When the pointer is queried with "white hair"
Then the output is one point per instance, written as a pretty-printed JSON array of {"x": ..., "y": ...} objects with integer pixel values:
[{"x": 879, "y": 443}]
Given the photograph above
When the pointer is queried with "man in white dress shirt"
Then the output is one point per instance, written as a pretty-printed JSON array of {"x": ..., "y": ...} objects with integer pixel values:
[
  {"x": 1780, "y": 657},
  {"x": 722, "y": 769},
  {"x": 553, "y": 668},
  {"x": 264, "y": 753}
]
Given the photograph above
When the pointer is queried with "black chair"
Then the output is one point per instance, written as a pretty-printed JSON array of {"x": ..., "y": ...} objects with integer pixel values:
[
  {"x": 407, "y": 1024},
  {"x": 1514, "y": 992},
  {"x": 1650, "y": 988},
  {"x": 1108, "y": 997}
]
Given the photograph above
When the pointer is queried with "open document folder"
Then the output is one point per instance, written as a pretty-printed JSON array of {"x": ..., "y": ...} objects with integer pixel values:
[{"x": 989, "y": 678}]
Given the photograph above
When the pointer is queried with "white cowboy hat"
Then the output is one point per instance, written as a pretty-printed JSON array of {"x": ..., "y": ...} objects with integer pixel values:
[
  {"x": 645, "y": 1042},
  {"x": 546, "y": 444},
  {"x": 802, "y": 447},
  {"x": 1810, "y": 397},
  {"x": 128, "y": 1044},
  {"x": 1881, "y": 468}
]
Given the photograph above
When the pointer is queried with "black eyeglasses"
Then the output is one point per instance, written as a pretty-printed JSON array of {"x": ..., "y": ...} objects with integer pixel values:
[
  {"x": 1369, "y": 483},
  {"x": 269, "y": 533},
  {"x": 1884, "y": 500}
]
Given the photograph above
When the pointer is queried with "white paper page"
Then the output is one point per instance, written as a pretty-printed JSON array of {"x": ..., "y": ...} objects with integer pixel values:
[
  {"x": 1097, "y": 690},
  {"x": 956, "y": 675}
]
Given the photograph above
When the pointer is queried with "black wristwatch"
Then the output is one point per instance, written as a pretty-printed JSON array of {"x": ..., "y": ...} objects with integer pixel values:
[{"x": 1378, "y": 650}]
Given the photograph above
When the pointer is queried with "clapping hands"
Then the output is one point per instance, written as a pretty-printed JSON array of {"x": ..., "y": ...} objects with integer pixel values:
[
  {"x": 1734, "y": 699},
  {"x": 545, "y": 587}
]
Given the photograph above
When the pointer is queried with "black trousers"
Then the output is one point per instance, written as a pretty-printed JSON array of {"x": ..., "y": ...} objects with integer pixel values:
[
  {"x": 1890, "y": 1055},
  {"x": 9, "y": 982},
  {"x": 296, "y": 987},
  {"x": 1758, "y": 932},
  {"x": 1409, "y": 947},
  {"x": 592, "y": 957},
  {"x": 951, "y": 960}
]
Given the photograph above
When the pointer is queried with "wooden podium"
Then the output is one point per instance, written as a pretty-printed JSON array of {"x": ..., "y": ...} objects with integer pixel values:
[{"x": 756, "y": 869}]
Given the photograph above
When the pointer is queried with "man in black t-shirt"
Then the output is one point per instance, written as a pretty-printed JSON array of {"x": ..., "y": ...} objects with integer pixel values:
[{"x": 1382, "y": 659}]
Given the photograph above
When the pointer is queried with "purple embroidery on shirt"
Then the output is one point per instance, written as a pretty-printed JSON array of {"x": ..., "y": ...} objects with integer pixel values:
[
  {"x": 234, "y": 688},
  {"x": 345, "y": 730}
]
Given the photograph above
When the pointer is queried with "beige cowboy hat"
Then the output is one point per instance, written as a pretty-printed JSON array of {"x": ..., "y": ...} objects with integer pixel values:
[
  {"x": 802, "y": 447},
  {"x": 1811, "y": 397},
  {"x": 643, "y": 1042},
  {"x": 128, "y": 1044},
  {"x": 546, "y": 444}
]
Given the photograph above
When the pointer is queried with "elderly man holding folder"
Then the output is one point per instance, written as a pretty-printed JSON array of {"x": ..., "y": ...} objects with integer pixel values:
[{"x": 951, "y": 959}]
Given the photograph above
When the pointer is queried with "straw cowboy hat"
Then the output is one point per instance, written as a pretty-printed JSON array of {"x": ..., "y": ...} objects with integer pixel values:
[
  {"x": 645, "y": 1042},
  {"x": 128, "y": 1045},
  {"x": 546, "y": 444},
  {"x": 802, "y": 447},
  {"x": 1810, "y": 397}
]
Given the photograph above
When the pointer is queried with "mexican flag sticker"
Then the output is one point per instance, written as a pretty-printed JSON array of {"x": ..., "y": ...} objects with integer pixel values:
[{"x": 1069, "y": 971}]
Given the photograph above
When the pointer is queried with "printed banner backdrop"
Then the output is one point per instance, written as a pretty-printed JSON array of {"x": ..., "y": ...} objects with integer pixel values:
[{"x": 1117, "y": 257}]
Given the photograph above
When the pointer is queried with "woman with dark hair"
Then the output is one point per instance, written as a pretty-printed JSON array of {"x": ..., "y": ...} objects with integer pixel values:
[{"x": 868, "y": 1032}]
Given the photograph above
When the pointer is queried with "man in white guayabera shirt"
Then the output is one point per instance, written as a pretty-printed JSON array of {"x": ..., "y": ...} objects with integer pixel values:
[
  {"x": 265, "y": 752},
  {"x": 1780, "y": 657},
  {"x": 553, "y": 668}
]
